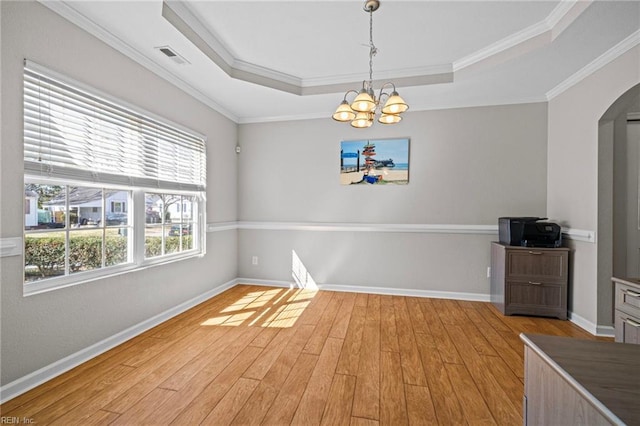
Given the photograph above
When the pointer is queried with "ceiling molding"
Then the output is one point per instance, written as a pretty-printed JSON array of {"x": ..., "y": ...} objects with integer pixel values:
[
  {"x": 530, "y": 38},
  {"x": 607, "y": 57},
  {"x": 435, "y": 107},
  {"x": 178, "y": 14},
  {"x": 69, "y": 13}
]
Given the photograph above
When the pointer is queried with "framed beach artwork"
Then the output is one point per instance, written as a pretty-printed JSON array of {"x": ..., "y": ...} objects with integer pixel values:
[{"x": 374, "y": 162}]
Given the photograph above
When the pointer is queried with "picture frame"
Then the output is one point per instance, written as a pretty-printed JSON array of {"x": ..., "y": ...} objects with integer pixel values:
[{"x": 374, "y": 161}]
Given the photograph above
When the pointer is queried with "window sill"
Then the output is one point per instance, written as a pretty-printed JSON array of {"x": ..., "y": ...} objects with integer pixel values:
[{"x": 51, "y": 284}]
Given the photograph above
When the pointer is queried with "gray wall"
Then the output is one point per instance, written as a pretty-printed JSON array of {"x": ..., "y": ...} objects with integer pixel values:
[
  {"x": 41, "y": 329},
  {"x": 574, "y": 179},
  {"x": 468, "y": 167}
]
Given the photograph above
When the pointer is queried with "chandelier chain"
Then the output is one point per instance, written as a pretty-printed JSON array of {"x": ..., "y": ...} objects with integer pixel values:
[{"x": 372, "y": 48}]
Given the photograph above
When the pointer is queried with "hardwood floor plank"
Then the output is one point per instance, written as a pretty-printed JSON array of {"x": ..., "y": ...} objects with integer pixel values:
[
  {"x": 366, "y": 401},
  {"x": 256, "y": 407},
  {"x": 418, "y": 321},
  {"x": 446, "y": 348},
  {"x": 262, "y": 398},
  {"x": 499, "y": 402},
  {"x": 272, "y": 351},
  {"x": 200, "y": 406},
  {"x": 284, "y": 406},
  {"x": 412, "y": 369},
  {"x": 373, "y": 308},
  {"x": 101, "y": 417},
  {"x": 316, "y": 393},
  {"x": 144, "y": 407},
  {"x": 447, "y": 408},
  {"x": 229, "y": 406},
  {"x": 341, "y": 322},
  {"x": 215, "y": 370},
  {"x": 323, "y": 327},
  {"x": 359, "y": 421},
  {"x": 350, "y": 355},
  {"x": 393, "y": 405},
  {"x": 339, "y": 402},
  {"x": 180, "y": 377},
  {"x": 473, "y": 406},
  {"x": 420, "y": 410},
  {"x": 388, "y": 327}
]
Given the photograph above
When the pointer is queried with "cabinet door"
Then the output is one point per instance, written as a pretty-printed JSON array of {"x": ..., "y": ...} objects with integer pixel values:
[
  {"x": 627, "y": 328},
  {"x": 537, "y": 265}
]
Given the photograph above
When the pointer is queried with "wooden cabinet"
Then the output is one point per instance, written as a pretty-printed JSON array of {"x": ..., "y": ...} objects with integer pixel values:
[
  {"x": 570, "y": 381},
  {"x": 627, "y": 310},
  {"x": 529, "y": 281}
]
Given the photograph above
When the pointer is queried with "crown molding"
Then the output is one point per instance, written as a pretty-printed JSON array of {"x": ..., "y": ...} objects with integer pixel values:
[
  {"x": 604, "y": 59},
  {"x": 178, "y": 14},
  {"x": 541, "y": 33},
  {"x": 72, "y": 15}
]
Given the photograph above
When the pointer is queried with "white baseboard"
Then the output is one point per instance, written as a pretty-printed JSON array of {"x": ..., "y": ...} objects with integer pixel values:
[
  {"x": 30, "y": 381},
  {"x": 595, "y": 329},
  {"x": 475, "y": 297}
]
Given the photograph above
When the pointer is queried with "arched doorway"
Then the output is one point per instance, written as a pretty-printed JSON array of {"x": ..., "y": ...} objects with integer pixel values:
[{"x": 618, "y": 195}]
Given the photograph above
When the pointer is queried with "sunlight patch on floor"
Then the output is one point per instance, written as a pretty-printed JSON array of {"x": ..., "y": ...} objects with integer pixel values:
[{"x": 277, "y": 308}]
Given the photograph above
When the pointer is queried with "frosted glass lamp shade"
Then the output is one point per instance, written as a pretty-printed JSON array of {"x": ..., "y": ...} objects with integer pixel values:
[
  {"x": 363, "y": 120},
  {"x": 344, "y": 112},
  {"x": 389, "y": 118},
  {"x": 395, "y": 104},
  {"x": 363, "y": 102}
]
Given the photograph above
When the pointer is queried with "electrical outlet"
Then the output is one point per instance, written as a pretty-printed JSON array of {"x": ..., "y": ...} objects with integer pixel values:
[
  {"x": 254, "y": 260},
  {"x": 488, "y": 271}
]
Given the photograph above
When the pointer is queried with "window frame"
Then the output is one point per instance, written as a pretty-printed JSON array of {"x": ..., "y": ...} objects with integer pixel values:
[{"x": 134, "y": 206}]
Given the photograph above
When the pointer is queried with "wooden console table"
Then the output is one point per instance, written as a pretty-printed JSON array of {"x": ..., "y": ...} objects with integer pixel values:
[{"x": 571, "y": 381}]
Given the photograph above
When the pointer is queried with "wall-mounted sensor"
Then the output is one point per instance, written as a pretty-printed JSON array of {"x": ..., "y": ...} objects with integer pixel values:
[{"x": 238, "y": 149}]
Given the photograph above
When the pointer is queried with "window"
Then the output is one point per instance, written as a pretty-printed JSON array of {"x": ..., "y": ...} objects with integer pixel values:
[{"x": 100, "y": 181}]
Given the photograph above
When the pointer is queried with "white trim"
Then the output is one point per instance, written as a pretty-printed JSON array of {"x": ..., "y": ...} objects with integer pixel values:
[
  {"x": 410, "y": 292},
  {"x": 605, "y": 331},
  {"x": 371, "y": 227},
  {"x": 568, "y": 233},
  {"x": 31, "y": 380},
  {"x": 11, "y": 246},
  {"x": 595, "y": 329},
  {"x": 635, "y": 116},
  {"x": 579, "y": 235},
  {"x": 221, "y": 226},
  {"x": 604, "y": 59}
]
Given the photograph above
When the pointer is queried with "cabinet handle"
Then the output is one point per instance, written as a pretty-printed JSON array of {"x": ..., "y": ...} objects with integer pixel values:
[
  {"x": 631, "y": 293},
  {"x": 632, "y": 322},
  {"x": 535, "y": 252},
  {"x": 534, "y": 283}
]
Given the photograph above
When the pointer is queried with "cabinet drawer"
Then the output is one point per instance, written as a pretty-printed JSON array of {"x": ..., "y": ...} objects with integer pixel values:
[
  {"x": 627, "y": 328},
  {"x": 535, "y": 294},
  {"x": 537, "y": 265},
  {"x": 628, "y": 299}
]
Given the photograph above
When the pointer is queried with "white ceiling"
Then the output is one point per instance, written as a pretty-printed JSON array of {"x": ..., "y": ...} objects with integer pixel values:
[{"x": 278, "y": 60}]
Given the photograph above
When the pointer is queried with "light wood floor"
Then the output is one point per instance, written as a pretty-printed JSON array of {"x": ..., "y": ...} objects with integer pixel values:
[{"x": 262, "y": 355}]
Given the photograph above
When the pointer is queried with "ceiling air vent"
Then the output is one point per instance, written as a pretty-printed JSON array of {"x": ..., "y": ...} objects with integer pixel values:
[{"x": 173, "y": 55}]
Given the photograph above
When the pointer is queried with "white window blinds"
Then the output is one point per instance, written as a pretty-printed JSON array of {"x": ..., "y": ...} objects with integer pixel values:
[{"x": 72, "y": 133}]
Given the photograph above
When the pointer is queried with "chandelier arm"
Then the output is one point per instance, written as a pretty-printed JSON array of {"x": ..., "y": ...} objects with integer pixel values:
[
  {"x": 348, "y": 92},
  {"x": 385, "y": 93}
]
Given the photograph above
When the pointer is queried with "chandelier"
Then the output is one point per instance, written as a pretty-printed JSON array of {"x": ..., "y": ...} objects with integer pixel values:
[{"x": 365, "y": 106}]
